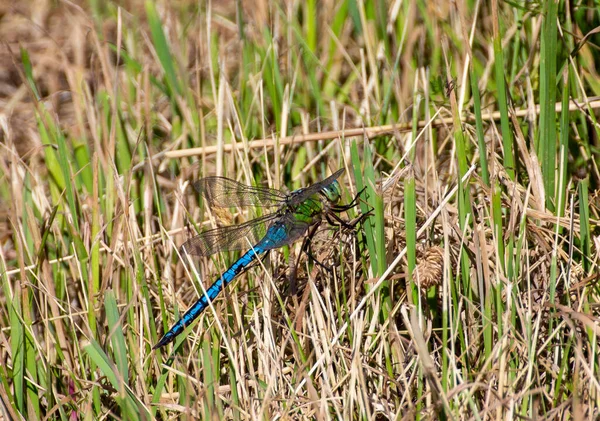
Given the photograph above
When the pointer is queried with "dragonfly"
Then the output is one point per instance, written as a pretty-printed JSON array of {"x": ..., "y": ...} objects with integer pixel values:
[{"x": 295, "y": 213}]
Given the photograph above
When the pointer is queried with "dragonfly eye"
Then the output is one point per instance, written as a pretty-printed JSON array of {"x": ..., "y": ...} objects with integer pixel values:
[{"x": 332, "y": 192}]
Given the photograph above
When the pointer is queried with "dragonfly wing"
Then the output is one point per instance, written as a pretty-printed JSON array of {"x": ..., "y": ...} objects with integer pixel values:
[
  {"x": 282, "y": 232},
  {"x": 236, "y": 237},
  {"x": 298, "y": 196},
  {"x": 224, "y": 193}
]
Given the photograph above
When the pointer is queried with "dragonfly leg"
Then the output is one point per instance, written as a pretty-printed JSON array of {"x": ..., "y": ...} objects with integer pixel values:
[
  {"x": 323, "y": 265},
  {"x": 307, "y": 249},
  {"x": 357, "y": 197},
  {"x": 333, "y": 219},
  {"x": 360, "y": 219},
  {"x": 350, "y": 205},
  {"x": 294, "y": 266}
]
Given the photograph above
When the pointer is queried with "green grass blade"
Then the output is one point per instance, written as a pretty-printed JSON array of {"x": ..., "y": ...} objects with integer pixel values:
[
  {"x": 479, "y": 127},
  {"x": 162, "y": 49},
  {"x": 501, "y": 91},
  {"x": 546, "y": 139},
  {"x": 116, "y": 337},
  {"x": 363, "y": 183}
]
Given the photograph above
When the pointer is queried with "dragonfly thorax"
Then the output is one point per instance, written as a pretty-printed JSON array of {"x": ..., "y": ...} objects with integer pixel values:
[{"x": 314, "y": 207}]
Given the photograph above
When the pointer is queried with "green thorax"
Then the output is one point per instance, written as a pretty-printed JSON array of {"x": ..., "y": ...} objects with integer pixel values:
[{"x": 313, "y": 208}]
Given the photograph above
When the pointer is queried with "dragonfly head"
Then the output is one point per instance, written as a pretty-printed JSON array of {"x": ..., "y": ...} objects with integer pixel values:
[{"x": 332, "y": 192}]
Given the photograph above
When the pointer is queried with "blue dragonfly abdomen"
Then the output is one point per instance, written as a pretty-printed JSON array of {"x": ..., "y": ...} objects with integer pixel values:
[{"x": 211, "y": 293}]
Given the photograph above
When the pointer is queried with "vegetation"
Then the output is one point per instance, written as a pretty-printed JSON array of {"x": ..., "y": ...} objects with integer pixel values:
[{"x": 470, "y": 291}]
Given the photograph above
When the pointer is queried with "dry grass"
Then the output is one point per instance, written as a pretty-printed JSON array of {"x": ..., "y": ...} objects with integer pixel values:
[{"x": 469, "y": 292}]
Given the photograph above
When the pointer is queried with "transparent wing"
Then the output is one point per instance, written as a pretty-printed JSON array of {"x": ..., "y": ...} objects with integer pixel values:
[
  {"x": 267, "y": 232},
  {"x": 298, "y": 196},
  {"x": 235, "y": 237},
  {"x": 224, "y": 193}
]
